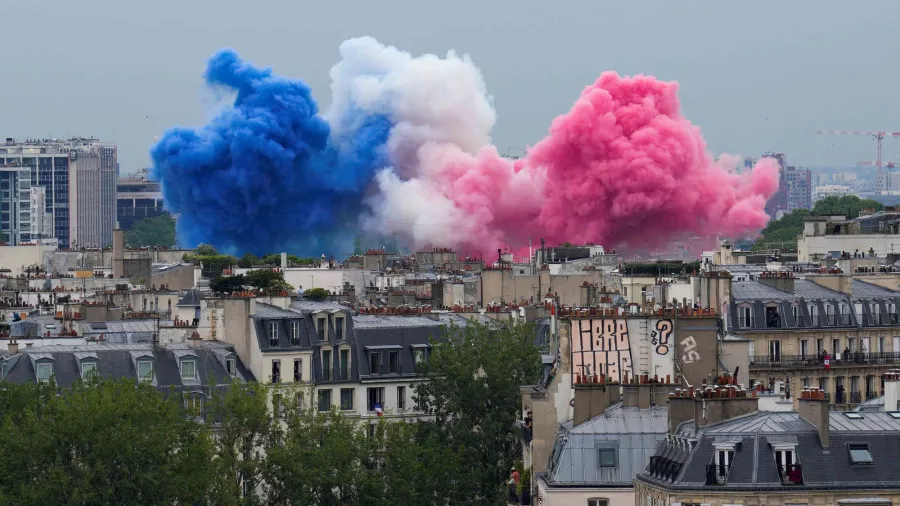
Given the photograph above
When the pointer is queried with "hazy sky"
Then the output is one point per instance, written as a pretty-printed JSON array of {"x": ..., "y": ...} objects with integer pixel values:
[{"x": 755, "y": 75}]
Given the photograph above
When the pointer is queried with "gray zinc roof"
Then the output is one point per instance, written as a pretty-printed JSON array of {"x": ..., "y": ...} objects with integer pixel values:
[
  {"x": 812, "y": 290},
  {"x": 633, "y": 433},
  {"x": 869, "y": 290},
  {"x": 754, "y": 290},
  {"x": 269, "y": 311}
]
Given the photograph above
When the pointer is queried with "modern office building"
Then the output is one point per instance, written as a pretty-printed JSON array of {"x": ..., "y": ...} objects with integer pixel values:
[
  {"x": 799, "y": 188},
  {"x": 137, "y": 197},
  {"x": 15, "y": 201},
  {"x": 78, "y": 176}
]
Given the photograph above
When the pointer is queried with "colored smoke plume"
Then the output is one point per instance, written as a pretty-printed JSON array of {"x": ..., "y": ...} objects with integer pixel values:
[{"x": 405, "y": 151}]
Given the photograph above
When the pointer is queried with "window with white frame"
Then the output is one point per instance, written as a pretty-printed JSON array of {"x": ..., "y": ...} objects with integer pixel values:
[
  {"x": 295, "y": 333},
  {"x": 273, "y": 333},
  {"x": 813, "y": 314},
  {"x": 745, "y": 317},
  {"x": 339, "y": 327},
  {"x": 44, "y": 371},
  {"x": 145, "y": 369},
  {"x": 88, "y": 368},
  {"x": 875, "y": 309},
  {"x": 231, "y": 366},
  {"x": 598, "y": 501},
  {"x": 321, "y": 328},
  {"x": 188, "y": 369}
]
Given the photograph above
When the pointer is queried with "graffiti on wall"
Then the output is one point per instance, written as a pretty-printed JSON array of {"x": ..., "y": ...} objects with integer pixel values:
[
  {"x": 690, "y": 353},
  {"x": 612, "y": 346}
]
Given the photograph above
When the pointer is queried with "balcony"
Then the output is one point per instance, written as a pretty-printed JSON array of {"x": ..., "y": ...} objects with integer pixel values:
[
  {"x": 791, "y": 475},
  {"x": 853, "y": 358},
  {"x": 717, "y": 474}
]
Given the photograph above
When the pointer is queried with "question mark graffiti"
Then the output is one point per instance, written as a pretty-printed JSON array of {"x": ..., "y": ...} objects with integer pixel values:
[{"x": 665, "y": 331}]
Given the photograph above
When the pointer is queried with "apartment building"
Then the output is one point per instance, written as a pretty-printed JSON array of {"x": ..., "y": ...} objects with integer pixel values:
[
  {"x": 793, "y": 324},
  {"x": 597, "y": 454},
  {"x": 79, "y": 179},
  {"x": 189, "y": 368},
  {"x": 721, "y": 450},
  {"x": 361, "y": 365}
]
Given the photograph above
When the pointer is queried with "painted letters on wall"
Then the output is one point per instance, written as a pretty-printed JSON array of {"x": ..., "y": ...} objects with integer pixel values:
[{"x": 619, "y": 347}]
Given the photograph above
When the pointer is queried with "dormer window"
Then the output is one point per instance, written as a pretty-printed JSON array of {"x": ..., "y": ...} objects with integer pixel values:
[
  {"x": 773, "y": 318},
  {"x": 420, "y": 354},
  {"x": 231, "y": 366},
  {"x": 813, "y": 314},
  {"x": 860, "y": 454},
  {"x": 295, "y": 333},
  {"x": 43, "y": 371},
  {"x": 188, "y": 368},
  {"x": 88, "y": 368},
  {"x": 606, "y": 457},
  {"x": 273, "y": 333},
  {"x": 145, "y": 370},
  {"x": 788, "y": 464},
  {"x": 375, "y": 362},
  {"x": 339, "y": 327},
  {"x": 321, "y": 324},
  {"x": 875, "y": 309},
  {"x": 717, "y": 472},
  {"x": 745, "y": 317}
]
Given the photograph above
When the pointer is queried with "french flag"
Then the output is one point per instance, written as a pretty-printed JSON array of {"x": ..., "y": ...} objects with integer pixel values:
[{"x": 378, "y": 410}]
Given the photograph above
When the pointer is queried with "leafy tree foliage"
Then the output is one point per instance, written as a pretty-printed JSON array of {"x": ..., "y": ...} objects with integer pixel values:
[
  {"x": 786, "y": 229},
  {"x": 205, "y": 250},
  {"x": 265, "y": 279},
  {"x": 316, "y": 294},
  {"x": 158, "y": 231},
  {"x": 783, "y": 231},
  {"x": 117, "y": 442},
  {"x": 848, "y": 205},
  {"x": 248, "y": 260},
  {"x": 100, "y": 443},
  {"x": 228, "y": 284},
  {"x": 473, "y": 387}
]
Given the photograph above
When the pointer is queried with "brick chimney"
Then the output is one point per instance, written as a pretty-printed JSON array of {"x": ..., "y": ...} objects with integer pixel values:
[
  {"x": 644, "y": 391},
  {"x": 13, "y": 347},
  {"x": 783, "y": 281},
  {"x": 592, "y": 399},
  {"x": 892, "y": 390},
  {"x": 814, "y": 409},
  {"x": 710, "y": 404}
]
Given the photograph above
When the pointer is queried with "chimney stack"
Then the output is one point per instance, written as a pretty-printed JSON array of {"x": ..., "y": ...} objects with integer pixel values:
[
  {"x": 13, "y": 347},
  {"x": 284, "y": 260},
  {"x": 592, "y": 399},
  {"x": 644, "y": 391},
  {"x": 814, "y": 409},
  {"x": 892, "y": 390},
  {"x": 711, "y": 404}
]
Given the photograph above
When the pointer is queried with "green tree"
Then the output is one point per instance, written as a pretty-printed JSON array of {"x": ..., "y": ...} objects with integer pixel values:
[
  {"x": 248, "y": 260},
  {"x": 206, "y": 250},
  {"x": 848, "y": 205},
  {"x": 265, "y": 279},
  {"x": 782, "y": 233},
  {"x": 473, "y": 392},
  {"x": 316, "y": 294},
  {"x": 158, "y": 231},
  {"x": 245, "y": 434},
  {"x": 228, "y": 284},
  {"x": 102, "y": 442}
]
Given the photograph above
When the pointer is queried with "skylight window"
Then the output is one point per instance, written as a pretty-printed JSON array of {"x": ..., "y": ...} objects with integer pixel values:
[
  {"x": 859, "y": 454},
  {"x": 894, "y": 414},
  {"x": 854, "y": 416}
]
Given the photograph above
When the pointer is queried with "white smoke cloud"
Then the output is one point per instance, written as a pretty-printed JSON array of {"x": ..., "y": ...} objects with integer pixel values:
[{"x": 426, "y": 98}]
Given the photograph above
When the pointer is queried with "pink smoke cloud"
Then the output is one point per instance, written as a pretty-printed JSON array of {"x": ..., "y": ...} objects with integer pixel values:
[{"x": 622, "y": 167}]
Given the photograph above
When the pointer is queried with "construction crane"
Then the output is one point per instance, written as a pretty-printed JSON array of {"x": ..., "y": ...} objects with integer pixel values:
[{"x": 879, "y": 136}]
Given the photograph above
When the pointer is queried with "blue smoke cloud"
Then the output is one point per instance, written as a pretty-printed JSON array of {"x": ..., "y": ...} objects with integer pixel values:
[{"x": 266, "y": 175}]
